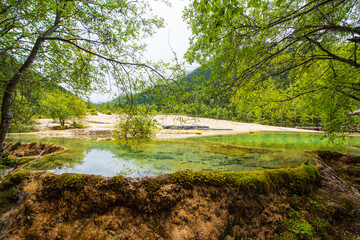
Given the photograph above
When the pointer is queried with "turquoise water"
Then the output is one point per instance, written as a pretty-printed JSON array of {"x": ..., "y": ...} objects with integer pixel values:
[
  {"x": 221, "y": 153},
  {"x": 288, "y": 141}
]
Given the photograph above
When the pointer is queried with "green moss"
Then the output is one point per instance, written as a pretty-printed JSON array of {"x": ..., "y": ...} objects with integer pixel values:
[
  {"x": 19, "y": 176},
  {"x": 256, "y": 181},
  {"x": 7, "y": 200},
  {"x": 320, "y": 225},
  {"x": 8, "y": 161},
  {"x": 68, "y": 180},
  {"x": 14, "y": 179},
  {"x": 22, "y": 161},
  {"x": 117, "y": 181},
  {"x": 301, "y": 228},
  {"x": 347, "y": 204},
  {"x": 152, "y": 185},
  {"x": 9, "y": 190},
  {"x": 188, "y": 179},
  {"x": 298, "y": 180}
]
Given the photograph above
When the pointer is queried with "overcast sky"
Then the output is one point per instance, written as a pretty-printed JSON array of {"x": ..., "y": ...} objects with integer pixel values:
[{"x": 175, "y": 33}]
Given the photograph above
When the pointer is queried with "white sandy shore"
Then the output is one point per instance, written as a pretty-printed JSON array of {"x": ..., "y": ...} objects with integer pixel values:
[{"x": 103, "y": 122}]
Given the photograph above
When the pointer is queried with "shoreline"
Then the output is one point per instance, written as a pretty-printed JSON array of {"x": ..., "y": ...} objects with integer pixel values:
[{"x": 102, "y": 125}]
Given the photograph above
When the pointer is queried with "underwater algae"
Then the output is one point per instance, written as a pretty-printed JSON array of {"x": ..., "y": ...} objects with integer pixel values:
[{"x": 108, "y": 158}]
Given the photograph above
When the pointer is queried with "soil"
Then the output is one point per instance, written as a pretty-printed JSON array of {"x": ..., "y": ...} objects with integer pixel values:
[{"x": 75, "y": 206}]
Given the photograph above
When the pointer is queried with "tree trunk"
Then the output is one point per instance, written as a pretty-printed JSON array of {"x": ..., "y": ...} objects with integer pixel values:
[
  {"x": 11, "y": 85},
  {"x": 9, "y": 92}
]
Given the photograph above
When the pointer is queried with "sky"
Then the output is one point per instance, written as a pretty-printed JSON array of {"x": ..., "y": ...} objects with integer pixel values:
[{"x": 175, "y": 35}]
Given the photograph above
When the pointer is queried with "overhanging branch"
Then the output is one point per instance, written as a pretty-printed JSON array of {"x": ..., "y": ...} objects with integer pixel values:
[
  {"x": 335, "y": 57},
  {"x": 104, "y": 57}
]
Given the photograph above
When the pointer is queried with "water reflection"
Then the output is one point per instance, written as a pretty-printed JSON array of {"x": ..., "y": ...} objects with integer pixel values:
[
  {"x": 109, "y": 158},
  {"x": 101, "y": 162}
]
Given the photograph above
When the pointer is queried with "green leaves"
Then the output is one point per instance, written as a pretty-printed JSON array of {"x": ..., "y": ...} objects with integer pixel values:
[
  {"x": 254, "y": 3},
  {"x": 64, "y": 106},
  {"x": 109, "y": 31},
  {"x": 291, "y": 56}
]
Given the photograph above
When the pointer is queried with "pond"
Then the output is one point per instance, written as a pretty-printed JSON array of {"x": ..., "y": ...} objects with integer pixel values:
[{"x": 244, "y": 152}]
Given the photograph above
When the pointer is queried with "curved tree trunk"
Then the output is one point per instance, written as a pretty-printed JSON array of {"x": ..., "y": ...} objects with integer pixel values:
[
  {"x": 11, "y": 85},
  {"x": 9, "y": 92}
]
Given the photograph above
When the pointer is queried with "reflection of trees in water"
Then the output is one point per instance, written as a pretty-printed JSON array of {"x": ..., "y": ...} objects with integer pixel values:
[
  {"x": 158, "y": 157},
  {"x": 76, "y": 151},
  {"x": 285, "y": 141}
]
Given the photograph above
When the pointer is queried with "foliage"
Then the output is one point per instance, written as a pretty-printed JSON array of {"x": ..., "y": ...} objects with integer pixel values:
[
  {"x": 193, "y": 96},
  {"x": 93, "y": 111},
  {"x": 137, "y": 124},
  {"x": 69, "y": 53},
  {"x": 297, "y": 56},
  {"x": 76, "y": 43},
  {"x": 108, "y": 112},
  {"x": 62, "y": 106}
]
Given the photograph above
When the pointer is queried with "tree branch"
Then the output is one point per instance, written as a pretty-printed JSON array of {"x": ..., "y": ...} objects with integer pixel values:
[
  {"x": 335, "y": 57},
  {"x": 103, "y": 57}
]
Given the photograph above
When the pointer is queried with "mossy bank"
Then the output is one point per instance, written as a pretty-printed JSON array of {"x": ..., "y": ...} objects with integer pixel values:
[{"x": 182, "y": 205}]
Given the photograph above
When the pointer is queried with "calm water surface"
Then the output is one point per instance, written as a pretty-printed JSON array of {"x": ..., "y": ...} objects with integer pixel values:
[{"x": 243, "y": 152}]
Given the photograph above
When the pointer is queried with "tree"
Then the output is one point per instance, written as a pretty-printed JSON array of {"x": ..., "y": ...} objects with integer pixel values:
[
  {"x": 282, "y": 50},
  {"x": 25, "y": 102},
  {"x": 75, "y": 42},
  {"x": 61, "y": 106}
]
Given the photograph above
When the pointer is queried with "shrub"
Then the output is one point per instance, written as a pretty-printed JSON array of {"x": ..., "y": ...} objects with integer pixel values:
[
  {"x": 135, "y": 127},
  {"x": 93, "y": 112}
]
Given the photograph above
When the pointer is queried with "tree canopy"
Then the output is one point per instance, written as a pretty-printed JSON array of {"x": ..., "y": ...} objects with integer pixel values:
[
  {"x": 277, "y": 51},
  {"x": 79, "y": 43},
  {"x": 64, "y": 106}
]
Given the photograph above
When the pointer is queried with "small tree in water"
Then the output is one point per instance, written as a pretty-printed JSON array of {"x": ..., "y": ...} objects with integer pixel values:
[{"x": 137, "y": 124}]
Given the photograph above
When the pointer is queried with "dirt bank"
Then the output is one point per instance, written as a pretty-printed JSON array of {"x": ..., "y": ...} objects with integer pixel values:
[
  {"x": 183, "y": 205},
  {"x": 277, "y": 204}
]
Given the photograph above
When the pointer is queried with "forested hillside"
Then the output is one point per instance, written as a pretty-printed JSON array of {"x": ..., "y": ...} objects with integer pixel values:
[
  {"x": 285, "y": 62},
  {"x": 195, "y": 96}
]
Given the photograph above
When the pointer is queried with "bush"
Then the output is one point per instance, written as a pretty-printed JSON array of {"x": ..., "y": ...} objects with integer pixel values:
[
  {"x": 135, "y": 127},
  {"x": 78, "y": 125},
  {"x": 108, "y": 112},
  {"x": 93, "y": 112}
]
